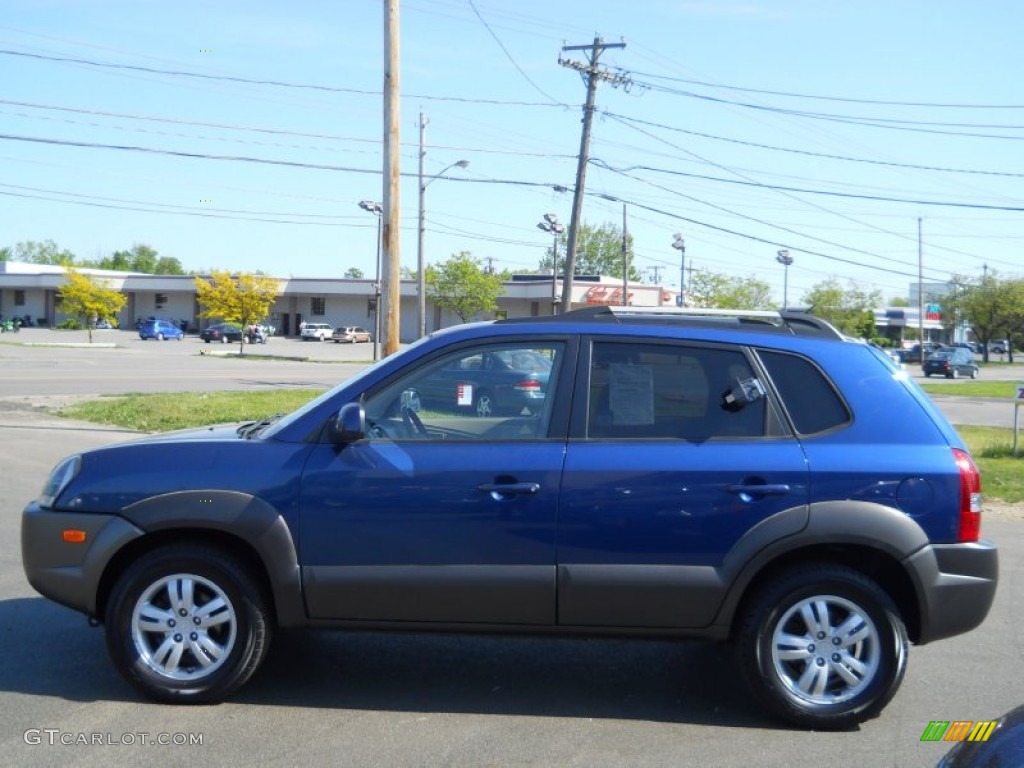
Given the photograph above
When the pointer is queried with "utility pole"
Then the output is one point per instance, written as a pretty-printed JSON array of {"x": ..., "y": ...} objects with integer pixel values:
[
  {"x": 625, "y": 258},
  {"x": 592, "y": 74},
  {"x": 920, "y": 290},
  {"x": 421, "y": 286},
  {"x": 390, "y": 238},
  {"x": 657, "y": 274},
  {"x": 680, "y": 245}
]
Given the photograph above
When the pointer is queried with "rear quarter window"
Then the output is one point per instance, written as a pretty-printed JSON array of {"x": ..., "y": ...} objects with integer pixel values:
[{"x": 809, "y": 397}]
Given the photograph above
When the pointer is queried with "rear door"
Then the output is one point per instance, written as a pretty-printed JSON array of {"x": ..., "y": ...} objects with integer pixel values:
[{"x": 676, "y": 452}]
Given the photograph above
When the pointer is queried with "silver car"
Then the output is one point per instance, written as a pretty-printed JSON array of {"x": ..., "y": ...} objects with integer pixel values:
[{"x": 351, "y": 334}]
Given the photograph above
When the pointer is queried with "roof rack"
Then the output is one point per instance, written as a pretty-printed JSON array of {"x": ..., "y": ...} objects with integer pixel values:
[{"x": 794, "y": 321}]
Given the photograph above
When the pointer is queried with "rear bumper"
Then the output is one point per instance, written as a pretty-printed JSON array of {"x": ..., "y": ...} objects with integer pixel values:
[{"x": 956, "y": 584}]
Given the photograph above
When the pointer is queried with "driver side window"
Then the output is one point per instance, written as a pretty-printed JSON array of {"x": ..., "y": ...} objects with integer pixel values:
[{"x": 496, "y": 391}]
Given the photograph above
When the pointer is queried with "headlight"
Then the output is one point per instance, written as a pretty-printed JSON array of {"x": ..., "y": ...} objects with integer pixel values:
[{"x": 59, "y": 478}]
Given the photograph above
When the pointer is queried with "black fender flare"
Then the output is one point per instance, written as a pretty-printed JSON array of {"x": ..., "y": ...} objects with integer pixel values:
[
  {"x": 866, "y": 524},
  {"x": 242, "y": 516}
]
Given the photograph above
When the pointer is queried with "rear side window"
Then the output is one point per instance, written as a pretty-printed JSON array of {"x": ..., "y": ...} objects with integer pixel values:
[
  {"x": 811, "y": 400},
  {"x": 639, "y": 391}
]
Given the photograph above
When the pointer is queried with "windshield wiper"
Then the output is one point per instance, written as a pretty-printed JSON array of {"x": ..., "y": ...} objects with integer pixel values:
[{"x": 253, "y": 428}]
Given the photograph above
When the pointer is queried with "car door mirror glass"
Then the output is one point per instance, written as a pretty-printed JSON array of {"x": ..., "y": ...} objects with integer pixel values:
[{"x": 742, "y": 393}]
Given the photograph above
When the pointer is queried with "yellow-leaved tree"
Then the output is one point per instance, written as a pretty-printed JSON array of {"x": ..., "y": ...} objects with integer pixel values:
[
  {"x": 88, "y": 299},
  {"x": 243, "y": 298}
]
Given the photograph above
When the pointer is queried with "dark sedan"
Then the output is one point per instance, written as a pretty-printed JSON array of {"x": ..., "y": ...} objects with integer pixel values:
[
  {"x": 222, "y": 332},
  {"x": 499, "y": 381},
  {"x": 951, "y": 362}
]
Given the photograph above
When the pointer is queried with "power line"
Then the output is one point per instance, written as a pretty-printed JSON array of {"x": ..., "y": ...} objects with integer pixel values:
[
  {"x": 266, "y": 161},
  {"x": 275, "y": 83},
  {"x": 818, "y": 97},
  {"x": 809, "y": 153},
  {"x": 793, "y": 197},
  {"x": 755, "y": 238},
  {"x": 881, "y": 198},
  {"x": 508, "y": 55},
  {"x": 887, "y": 123}
]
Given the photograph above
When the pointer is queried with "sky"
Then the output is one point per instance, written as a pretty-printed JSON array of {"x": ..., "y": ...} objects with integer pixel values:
[{"x": 242, "y": 135}]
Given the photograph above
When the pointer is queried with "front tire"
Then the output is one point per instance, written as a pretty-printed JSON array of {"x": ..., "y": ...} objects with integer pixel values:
[
  {"x": 187, "y": 624},
  {"x": 822, "y": 646}
]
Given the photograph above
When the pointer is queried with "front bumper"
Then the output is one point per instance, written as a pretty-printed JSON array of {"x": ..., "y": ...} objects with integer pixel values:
[
  {"x": 956, "y": 584},
  {"x": 69, "y": 573}
]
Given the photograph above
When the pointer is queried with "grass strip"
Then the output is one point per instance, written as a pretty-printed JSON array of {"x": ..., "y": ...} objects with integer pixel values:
[{"x": 159, "y": 412}]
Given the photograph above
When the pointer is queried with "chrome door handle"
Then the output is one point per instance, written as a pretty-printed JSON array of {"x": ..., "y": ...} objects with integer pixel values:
[
  {"x": 509, "y": 489},
  {"x": 765, "y": 489}
]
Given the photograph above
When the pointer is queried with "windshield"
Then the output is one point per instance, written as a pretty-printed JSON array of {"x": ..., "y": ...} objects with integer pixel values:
[{"x": 291, "y": 418}]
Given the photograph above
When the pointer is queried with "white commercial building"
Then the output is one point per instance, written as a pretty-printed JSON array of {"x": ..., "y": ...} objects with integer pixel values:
[{"x": 30, "y": 290}]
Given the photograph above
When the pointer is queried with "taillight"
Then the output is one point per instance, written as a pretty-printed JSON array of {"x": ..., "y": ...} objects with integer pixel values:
[
  {"x": 528, "y": 385},
  {"x": 970, "y": 497}
]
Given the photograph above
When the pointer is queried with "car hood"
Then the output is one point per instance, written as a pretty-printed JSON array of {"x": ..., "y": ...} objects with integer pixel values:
[{"x": 113, "y": 477}]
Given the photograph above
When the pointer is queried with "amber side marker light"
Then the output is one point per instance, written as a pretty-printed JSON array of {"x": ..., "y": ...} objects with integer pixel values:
[{"x": 74, "y": 537}]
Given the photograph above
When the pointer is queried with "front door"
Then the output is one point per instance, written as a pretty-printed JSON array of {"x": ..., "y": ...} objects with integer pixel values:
[{"x": 439, "y": 514}]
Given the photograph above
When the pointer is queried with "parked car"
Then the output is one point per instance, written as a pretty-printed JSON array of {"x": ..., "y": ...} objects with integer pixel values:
[
  {"x": 999, "y": 347},
  {"x": 951, "y": 362},
  {"x": 104, "y": 325},
  {"x": 723, "y": 478},
  {"x": 351, "y": 334},
  {"x": 504, "y": 381},
  {"x": 913, "y": 355},
  {"x": 316, "y": 332},
  {"x": 160, "y": 330},
  {"x": 222, "y": 332},
  {"x": 988, "y": 744}
]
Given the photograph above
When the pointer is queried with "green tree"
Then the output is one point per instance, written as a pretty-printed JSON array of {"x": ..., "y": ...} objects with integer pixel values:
[
  {"x": 88, "y": 299},
  {"x": 141, "y": 258},
  {"x": 462, "y": 287},
  {"x": 244, "y": 298},
  {"x": 5, "y": 253},
  {"x": 710, "y": 290},
  {"x": 355, "y": 273},
  {"x": 598, "y": 252},
  {"x": 849, "y": 309},
  {"x": 168, "y": 265},
  {"x": 992, "y": 306},
  {"x": 46, "y": 252}
]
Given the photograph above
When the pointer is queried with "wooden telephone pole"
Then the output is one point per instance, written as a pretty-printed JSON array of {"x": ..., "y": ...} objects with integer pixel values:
[
  {"x": 391, "y": 288},
  {"x": 593, "y": 75}
]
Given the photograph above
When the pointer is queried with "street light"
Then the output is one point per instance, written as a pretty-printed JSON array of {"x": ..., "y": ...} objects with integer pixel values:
[
  {"x": 550, "y": 224},
  {"x": 377, "y": 209},
  {"x": 680, "y": 245},
  {"x": 785, "y": 260},
  {"x": 421, "y": 285}
]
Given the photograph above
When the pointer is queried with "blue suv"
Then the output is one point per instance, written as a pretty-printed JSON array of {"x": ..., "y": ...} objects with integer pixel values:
[
  {"x": 160, "y": 330},
  {"x": 754, "y": 478}
]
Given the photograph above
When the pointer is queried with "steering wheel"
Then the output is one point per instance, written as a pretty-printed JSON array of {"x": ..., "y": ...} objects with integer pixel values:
[
  {"x": 380, "y": 432},
  {"x": 413, "y": 423}
]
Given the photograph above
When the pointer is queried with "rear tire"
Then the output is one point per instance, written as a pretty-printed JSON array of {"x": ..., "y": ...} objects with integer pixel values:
[
  {"x": 187, "y": 623},
  {"x": 822, "y": 646}
]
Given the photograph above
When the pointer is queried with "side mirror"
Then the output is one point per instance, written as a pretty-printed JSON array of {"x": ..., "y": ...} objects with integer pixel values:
[
  {"x": 349, "y": 425},
  {"x": 741, "y": 394}
]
